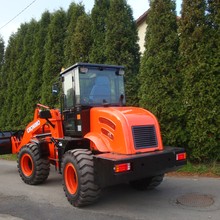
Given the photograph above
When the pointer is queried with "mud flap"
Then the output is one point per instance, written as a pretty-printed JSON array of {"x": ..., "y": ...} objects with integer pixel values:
[{"x": 5, "y": 142}]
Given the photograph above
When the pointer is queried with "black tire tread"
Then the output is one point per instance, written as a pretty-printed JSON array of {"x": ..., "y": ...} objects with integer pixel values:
[
  {"x": 89, "y": 192},
  {"x": 42, "y": 165}
]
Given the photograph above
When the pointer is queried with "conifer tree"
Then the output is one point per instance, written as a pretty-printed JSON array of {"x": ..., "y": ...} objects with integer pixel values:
[
  {"x": 213, "y": 17},
  {"x": 99, "y": 14},
  {"x": 121, "y": 47},
  {"x": 2, "y": 88},
  {"x": 33, "y": 92},
  {"x": 10, "y": 77},
  {"x": 2, "y": 51},
  {"x": 15, "y": 60},
  {"x": 54, "y": 56},
  {"x": 23, "y": 64},
  {"x": 213, "y": 52},
  {"x": 26, "y": 64},
  {"x": 81, "y": 41},
  {"x": 160, "y": 81},
  {"x": 73, "y": 13},
  {"x": 200, "y": 86}
]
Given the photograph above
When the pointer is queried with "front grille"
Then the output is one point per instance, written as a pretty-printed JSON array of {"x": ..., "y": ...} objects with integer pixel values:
[{"x": 144, "y": 136}]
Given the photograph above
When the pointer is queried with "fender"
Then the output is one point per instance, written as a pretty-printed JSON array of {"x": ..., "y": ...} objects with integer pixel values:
[
  {"x": 114, "y": 126},
  {"x": 42, "y": 146},
  {"x": 98, "y": 142}
]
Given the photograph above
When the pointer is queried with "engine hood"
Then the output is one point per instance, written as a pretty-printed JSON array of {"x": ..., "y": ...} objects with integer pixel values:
[{"x": 123, "y": 130}]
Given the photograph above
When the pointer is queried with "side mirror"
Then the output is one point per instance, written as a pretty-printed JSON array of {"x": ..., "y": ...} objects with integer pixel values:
[{"x": 55, "y": 89}]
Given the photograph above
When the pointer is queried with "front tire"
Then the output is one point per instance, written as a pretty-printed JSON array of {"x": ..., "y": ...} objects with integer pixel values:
[
  {"x": 147, "y": 183},
  {"x": 78, "y": 178},
  {"x": 32, "y": 168}
]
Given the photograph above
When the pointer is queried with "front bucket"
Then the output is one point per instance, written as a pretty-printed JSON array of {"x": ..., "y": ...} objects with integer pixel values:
[{"x": 5, "y": 142}]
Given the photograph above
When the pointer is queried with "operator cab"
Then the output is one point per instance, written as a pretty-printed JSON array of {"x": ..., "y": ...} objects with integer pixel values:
[{"x": 89, "y": 85}]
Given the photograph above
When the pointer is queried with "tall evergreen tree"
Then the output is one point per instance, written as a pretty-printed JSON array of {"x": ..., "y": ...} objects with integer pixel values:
[
  {"x": 15, "y": 67},
  {"x": 24, "y": 112},
  {"x": 73, "y": 13},
  {"x": 81, "y": 41},
  {"x": 2, "y": 88},
  {"x": 36, "y": 68},
  {"x": 200, "y": 94},
  {"x": 54, "y": 55},
  {"x": 213, "y": 17},
  {"x": 121, "y": 45},
  {"x": 99, "y": 28},
  {"x": 213, "y": 70},
  {"x": 2, "y": 52},
  {"x": 160, "y": 81},
  {"x": 10, "y": 71},
  {"x": 23, "y": 64}
]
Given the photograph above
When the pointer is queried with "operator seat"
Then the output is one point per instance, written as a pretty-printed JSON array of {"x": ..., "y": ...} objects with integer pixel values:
[{"x": 101, "y": 90}]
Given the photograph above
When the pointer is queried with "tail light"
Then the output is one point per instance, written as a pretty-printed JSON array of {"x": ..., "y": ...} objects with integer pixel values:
[
  {"x": 181, "y": 156},
  {"x": 123, "y": 167}
]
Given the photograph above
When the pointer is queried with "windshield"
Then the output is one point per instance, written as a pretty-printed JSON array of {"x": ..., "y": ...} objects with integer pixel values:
[{"x": 101, "y": 86}]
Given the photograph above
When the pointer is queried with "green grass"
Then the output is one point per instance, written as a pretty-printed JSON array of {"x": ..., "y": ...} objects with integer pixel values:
[
  {"x": 9, "y": 157},
  {"x": 211, "y": 169}
]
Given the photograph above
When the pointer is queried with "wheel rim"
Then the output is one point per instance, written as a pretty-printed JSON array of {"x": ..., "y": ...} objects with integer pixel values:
[
  {"x": 27, "y": 165},
  {"x": 71, "y": 178}
]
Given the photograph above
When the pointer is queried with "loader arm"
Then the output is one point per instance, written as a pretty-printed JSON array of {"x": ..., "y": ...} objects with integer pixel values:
[{"x": 46, "y": 123}]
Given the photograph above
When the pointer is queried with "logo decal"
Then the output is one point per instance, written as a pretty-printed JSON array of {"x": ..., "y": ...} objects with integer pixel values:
[{"x": 33, "y": 126}]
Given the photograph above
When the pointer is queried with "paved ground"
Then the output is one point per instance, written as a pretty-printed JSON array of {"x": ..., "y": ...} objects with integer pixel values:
[{"x": 189, "y": 198}]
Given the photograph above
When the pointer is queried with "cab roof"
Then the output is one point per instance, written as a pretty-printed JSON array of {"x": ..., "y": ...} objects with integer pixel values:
[{"x": 90, "y": 65}]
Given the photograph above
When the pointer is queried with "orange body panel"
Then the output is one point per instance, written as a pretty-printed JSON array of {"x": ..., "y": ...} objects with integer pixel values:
[
  {"x": 40, "y": 126},
  {"x": 111, "y": 129}
]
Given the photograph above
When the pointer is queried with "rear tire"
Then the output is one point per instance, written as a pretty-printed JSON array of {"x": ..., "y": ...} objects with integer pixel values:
[
  {"x": 78, "y": 177},
  {"x": 147, "y": 183},
  {"x": 32, "y": 168}
]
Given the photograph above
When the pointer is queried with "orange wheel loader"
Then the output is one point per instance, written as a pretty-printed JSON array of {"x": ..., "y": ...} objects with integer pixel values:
[{"x": 94, "y": 140}]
